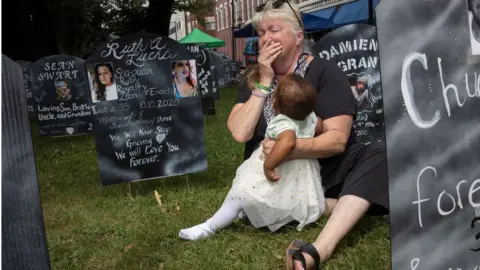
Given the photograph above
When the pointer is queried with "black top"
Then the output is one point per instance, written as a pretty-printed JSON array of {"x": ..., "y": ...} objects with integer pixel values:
[{"x": 334, "y": 98}]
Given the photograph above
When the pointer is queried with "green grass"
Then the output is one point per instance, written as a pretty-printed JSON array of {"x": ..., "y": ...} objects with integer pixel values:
[{"x": 89, "y": 226}]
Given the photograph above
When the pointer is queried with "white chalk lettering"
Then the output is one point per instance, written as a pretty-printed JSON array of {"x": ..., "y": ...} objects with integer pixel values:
[
  {"x": 407, "y": 91},
  {"x": 474, "y": 188},
  {"x": 346, "y": 47},
  {"x": 59, "y": 65},
  {"x": 172, "y": 147},
  {"x": 439, "y": 207},
  {"x": 131, "y": 144},
  {"x": 419, "y": 201},
  {"x": 114, "y": 137},
  {"x": 58, "y": 75},
  {"x": 134, "y": 162},
  {"x": 136, "y": 152},
  {"x": 449, "y": 87},
  {"x": 120, "y": 155}
]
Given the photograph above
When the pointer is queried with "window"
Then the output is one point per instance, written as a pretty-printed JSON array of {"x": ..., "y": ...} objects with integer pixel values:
[
  {"x": 221, "y": 18},
  {"x": 243, "y": 11},
  {"x": 237, "y": 12},
  {"x": 226, "y": 15},
  {"x": 210, "y": 25}
]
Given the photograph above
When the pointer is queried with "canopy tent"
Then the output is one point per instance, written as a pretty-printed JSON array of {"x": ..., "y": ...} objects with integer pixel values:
[
  {"x": 311, "y": 23},
  {"x": 353, "y": 12},
  {"x": 200, "y": 38},
  {"x": 333, "y": 17}
]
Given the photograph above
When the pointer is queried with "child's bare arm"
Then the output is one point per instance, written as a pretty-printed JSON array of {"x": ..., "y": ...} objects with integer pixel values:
[{"x": 284, "y": 144}]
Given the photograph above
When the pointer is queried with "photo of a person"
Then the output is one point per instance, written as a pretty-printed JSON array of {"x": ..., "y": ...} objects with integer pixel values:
[
  {"x": 360, "y": 90},
  {"x": 63, "y": 91},
  {"x": 184, "y": 78},
  {"x": 103, "y": 86},
  {"x": 474, "y": 25}
]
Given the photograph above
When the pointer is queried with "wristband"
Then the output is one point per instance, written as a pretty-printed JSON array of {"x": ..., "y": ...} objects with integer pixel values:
[
  {"x": 263, "y": 87},
  {"x": 258, "y": 94},
  {"x": 262, "y": 91}
]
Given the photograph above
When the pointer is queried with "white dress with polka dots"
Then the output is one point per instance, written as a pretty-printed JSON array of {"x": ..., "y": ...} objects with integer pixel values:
[{"x": 297, "y": 195}]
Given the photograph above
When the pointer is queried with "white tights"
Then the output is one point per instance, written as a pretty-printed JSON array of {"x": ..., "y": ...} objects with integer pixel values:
[{"x": 224, "y": 217}]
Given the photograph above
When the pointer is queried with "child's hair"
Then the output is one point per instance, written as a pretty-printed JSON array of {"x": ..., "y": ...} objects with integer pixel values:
[{"x": 294, "y": 97}]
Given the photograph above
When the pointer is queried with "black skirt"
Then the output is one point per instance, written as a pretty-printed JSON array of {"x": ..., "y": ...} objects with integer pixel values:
[{"x": 362, "y": 173}]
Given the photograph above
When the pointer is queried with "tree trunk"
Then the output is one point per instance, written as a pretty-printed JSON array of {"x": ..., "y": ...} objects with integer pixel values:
[{"x": 158, "y": 17}]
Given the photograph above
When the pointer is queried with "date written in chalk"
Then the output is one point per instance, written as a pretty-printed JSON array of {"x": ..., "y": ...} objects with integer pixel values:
[{"x": 158, "y": 104}]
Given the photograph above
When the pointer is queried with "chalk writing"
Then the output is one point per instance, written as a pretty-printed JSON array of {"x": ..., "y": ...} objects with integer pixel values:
[
  {"x": 59, "y": 71},
  {"x": 159, "y": 103},
  {"x": 414, "y": 263},
  {"x": 138, "y": 52},
  {"x": 473, "y": 188},
  {"x": 172, "y": 147},
  {"x": 407, "y": 91}
]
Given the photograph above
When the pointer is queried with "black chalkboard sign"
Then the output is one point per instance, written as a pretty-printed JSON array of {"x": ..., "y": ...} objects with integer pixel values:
[
  {"x": 203, "y": 70},
  {"x": 236, "y": 71},
  {"x": 61, "y": 96},
  {"x": 354, "y": 48},
  {"x": 215, "y": 75},
  {"x": 228, "y": 70},
  {"x": 221, "y": 70},
  {"x": 153, "y": 125},
  {"x": 24, "y": 243},
  {"x": 432, "y": 112},
  {"x": 27, "y": 82}
]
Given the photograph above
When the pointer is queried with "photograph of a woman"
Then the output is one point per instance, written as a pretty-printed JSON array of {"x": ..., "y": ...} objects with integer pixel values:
[
  {"x": 184, "y": 78},
  {"x": 104, "y": 87}
]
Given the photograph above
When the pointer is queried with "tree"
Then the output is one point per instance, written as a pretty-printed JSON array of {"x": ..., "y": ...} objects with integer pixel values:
[
  {"x": 45, "y": 27},
  {"x": 160, "y": 12},
  {"x": 199, "y": 8},
  {"x": 125, "y": 16}
]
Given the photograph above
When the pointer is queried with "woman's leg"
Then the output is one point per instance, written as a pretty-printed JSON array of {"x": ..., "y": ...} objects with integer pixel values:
[
  {"x": 346, "y": 213},
  {"x": 329, "y": 206},
  {"x": 224, "y": 217}
]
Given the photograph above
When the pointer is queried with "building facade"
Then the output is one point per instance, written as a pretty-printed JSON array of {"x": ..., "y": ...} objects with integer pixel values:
[
  {"x": 182, "y": 23},
  {"x": 178, "y": 26},
  {"x": 243, "y": 11},
  {"x": 230, "y": 15}
]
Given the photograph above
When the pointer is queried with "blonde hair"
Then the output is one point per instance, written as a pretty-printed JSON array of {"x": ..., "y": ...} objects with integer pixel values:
[{"x": 284, "y": 12}]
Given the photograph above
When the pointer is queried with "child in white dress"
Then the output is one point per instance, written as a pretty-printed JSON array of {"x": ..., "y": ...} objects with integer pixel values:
[{"x": 275, "y": 191}]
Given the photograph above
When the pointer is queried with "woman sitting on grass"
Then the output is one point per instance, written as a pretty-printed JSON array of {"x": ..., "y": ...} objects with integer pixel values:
[{"x": 274, "y": 191}]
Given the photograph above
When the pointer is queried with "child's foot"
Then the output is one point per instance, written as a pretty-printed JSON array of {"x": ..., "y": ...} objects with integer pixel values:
[{"x": 196, "y": 232}]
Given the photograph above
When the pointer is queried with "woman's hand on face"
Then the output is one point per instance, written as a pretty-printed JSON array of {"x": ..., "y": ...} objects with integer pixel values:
[{"x": 268, "y": 53}]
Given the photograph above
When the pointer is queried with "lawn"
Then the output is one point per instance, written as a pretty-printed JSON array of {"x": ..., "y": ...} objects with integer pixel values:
[{"x": 90, "y": 226}]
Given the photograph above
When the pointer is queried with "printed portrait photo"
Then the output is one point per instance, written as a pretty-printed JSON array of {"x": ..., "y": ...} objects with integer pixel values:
[
  {"x": 63, "y": 90},
  {"x": 474, "y": 25},
  {"x": 184, "y": 78},
  {"x": 102, "y": 82},
  {"x": 361, "y": 86}
]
